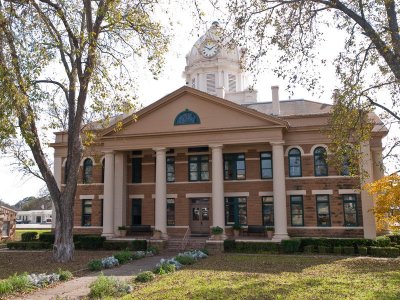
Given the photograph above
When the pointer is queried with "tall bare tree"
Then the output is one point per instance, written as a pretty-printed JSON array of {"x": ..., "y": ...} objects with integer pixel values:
[
  {"x": 68, "y": 58},
  {"x": 288, "y": 34}
]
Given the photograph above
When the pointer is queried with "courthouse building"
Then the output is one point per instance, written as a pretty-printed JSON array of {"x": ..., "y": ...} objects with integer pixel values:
[{"x": 209, "y": 154}]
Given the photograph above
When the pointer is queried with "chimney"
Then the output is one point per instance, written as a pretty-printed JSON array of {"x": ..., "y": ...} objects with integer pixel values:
[
  {"x": 221, "y": 92},
  {"x": 275, "y": 100}
]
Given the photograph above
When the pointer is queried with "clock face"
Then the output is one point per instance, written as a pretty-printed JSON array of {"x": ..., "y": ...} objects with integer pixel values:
[{"x": 209, "y": 49}]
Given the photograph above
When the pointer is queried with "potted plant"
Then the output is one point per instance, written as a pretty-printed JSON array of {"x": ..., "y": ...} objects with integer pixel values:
[
  {"x": 236, "y": 229},
  {"x": 122, "y": 230},
  {"x": 217, "y": 232},
  {"x": 157, "y": 234},
  {"x": 270, "y": 232}
]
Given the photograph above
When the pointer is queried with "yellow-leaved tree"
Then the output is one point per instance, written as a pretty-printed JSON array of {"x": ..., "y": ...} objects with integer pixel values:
[{"x": 386, "y": 193}]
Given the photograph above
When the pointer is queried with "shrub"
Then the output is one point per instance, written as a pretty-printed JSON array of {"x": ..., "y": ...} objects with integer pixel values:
[
  {"x": 29, "y": 236},
  {"x": 114, "y": 245},
  {"x": 336, "y": 242},
  {"x": 244, "y": 247},
  {"x": 145, "y": 277},
  {"x": 95, "y": 265},
  {"x": 324, "y": 249},
  {"x": 185, "y": 259},
  {"x": 337, "y": 250},
  {"x": 47, "y": 237},
  {"x": 290, "y": 246},
  {"x": 104, "y": 287},
  {"x": 138, "y": 254},
  {"x": 229, "y": 245},
  {"x": 217, "y": 230},
  {"x": 164, "y": 268},
  {"x": 43, "y": 279},
  {"x": 308, "y": 249},
  {"x": 153, "y": 249},
  {"x": 5, "y": 287},
  {"x": 28, "y": 245},
  {"x": 91, "y": 242},
  {"x": 363, "y": 251},
  {"x": 109, "y": 262},
  {"x": 236, "y": 226},
  {"x": 395, "y": 238},
  {"x": 348, "y": 250},
  {"x": 123, "y": 256},
  {"x": 19, "y": 283},
  {"x": 205, "y": 251},
  {"x": 385, "y": 251},
  {"x": 139, "y": 245},
  {"x": 65, "y": 275},
  {"x": 382, "y": 241}
]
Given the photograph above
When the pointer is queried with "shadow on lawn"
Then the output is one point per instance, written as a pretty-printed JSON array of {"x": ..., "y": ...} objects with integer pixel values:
[{"x": 263, "y": 263}]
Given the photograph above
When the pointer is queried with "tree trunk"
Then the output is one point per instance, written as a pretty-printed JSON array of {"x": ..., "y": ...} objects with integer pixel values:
[{"x": 63, "y": 249}]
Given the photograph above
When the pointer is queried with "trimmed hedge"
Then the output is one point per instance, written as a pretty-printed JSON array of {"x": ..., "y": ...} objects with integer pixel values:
[
  {"x": 91, "y": 242},
  {"x": 28, "y": 245},
  {"x": 348, "y": 250},
  {"x": 47, "y": 237},
  {"x": 337, "y": 250},
  {"x": 382, "y": 241},
  {"x": 385, "y": 251},
  {"x": 291, "y": 246},
  {"x": 363, "y": 251},
  {"x": 324, "y": 250},
  {"x": 394, "y": 238},
  {"x": 309, "y": 249},
  {"x": 116, "y": 245},
  {"x": 29, "y": 236},
  {"x": 251, "y": 247},
  {"x": 139, "y": 245},
  {"x": 336, "y": 242}
]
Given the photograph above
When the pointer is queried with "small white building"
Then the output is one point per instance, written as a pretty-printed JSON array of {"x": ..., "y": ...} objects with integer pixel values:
[{"x": 34, "y": 216}]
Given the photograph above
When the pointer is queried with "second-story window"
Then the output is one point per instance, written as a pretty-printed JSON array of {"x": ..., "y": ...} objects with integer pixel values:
[
  {"x": 198, "y": 168},
  {"x": 234, "y": 166},
  {"x": 170, "y": 169},
  {"x": 87, "y": 171},
  {"x": 266, "y": 165},
  {"x": 136, "y": 170},
  {"x": 294, "y": 163},
  {"x": 320, "y": 165}
]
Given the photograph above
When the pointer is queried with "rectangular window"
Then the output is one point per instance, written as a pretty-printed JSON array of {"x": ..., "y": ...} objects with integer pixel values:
[
  {"x": 136, "y": 212},
  {"x": 266, "y": 165},
  {"x": 87, "y": 212},
  {"x": 350, "y": 210},
  {"x": 170, "y": 169},
  {"x": 234, "y": 166},
  {"x": 136, "y": 170},
  {"x": 170, "y": 212},
  {"x": 297, "y": 212},
  {"x": 198, "y": 168},
  {"x": 268, "y": 210},
  {"x": 323, "y": 211},
  {"x": 236, "y": 210}
]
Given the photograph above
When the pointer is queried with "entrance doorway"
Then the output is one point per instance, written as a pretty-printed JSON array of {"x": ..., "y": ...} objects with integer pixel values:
[
  {"x": 38, "y": 219},
  {"x": 136, "y": 212},
  {"x": 199, "y": 216}
]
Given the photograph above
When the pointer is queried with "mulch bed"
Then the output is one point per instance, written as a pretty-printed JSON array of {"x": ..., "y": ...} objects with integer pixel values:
[{"x": 12, "y": 262}]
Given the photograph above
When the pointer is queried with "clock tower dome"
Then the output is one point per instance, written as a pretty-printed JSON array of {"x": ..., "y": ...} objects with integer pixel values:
[{"x": 214, "y": 68}]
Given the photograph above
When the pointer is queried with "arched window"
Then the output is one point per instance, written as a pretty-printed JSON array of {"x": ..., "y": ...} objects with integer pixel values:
[
  {"x": 295, "y": 163},
  {"x": 187, "y": 117},
  {"x": 102, "y": 170},
  {"x": 87, "y": 170},
  {"x": 320, "y": 165}
]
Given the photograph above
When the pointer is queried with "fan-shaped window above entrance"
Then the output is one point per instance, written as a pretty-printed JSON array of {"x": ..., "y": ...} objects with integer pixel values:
[{"x": 187, "y": 117}]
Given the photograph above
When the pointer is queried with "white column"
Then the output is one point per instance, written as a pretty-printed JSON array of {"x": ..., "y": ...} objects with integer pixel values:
[
  {"x": 108, "y": 211},
  {"x": 57, "y": 175},
  {"x": 217, "y": 187},
  {"x": 161, "y": 192},
  {"x": 366, "y": 200},
  {"x": 120, "y": 190},
  {"x": 280, "y": 215}
]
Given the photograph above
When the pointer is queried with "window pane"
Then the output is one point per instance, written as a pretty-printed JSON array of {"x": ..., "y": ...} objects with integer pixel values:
[
  {"x": 296, "y": 207},
  {"x": 266, "y": 173},
  {"x": 170, "y": 212},
  {"x": 297, "y": 220},
  {"x": 323, "y": 217},
  {"x": 204, "y": 175},
  {"x": 193, "y": 167},
  {"x": 196, "y": 214},
  {"x": 193, "y": 176},
  {"x": 204, "y": 214}
]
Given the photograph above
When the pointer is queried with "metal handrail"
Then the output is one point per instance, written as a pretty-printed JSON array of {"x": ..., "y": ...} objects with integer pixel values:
[{"x": 185, "y": 239}]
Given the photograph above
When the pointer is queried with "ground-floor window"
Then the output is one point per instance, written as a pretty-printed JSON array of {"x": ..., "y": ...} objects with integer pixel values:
[
  {"x": 136, "y": 212},
  {"x": 350, "y": 210},
  {"x": 236, "y": 210},
  {"x": 87, "y": 212},
  {"x": 323, "y": 212},
  {"x": 268, "y": 210},
  {"x": 170, "y": 212},
  {"x": 297, "y": 211}
]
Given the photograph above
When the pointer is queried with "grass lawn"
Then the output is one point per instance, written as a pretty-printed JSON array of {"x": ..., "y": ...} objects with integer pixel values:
[
  {"x": 42, "y": 262},
  {"x": 18, "y": 232},
  {"x": 240, "y": 276}
]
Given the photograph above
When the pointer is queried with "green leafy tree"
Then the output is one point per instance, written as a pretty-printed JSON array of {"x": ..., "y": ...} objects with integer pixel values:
[
  {"x": 61, "y": 64},
  {"x": 287, "y": 35}
]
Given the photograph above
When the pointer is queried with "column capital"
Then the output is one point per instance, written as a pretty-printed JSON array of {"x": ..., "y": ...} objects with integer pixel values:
[
  {"x": 159, "y": 149},
  {"x": 277, "y": 143},
  {"x": 215, "y": 146}
]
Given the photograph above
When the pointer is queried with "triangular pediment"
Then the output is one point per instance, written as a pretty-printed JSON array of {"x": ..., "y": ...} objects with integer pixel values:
[{"x": 213, "y": 114}]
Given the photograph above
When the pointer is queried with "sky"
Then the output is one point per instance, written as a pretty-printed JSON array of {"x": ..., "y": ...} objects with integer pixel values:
[{"x": 14, "y": 187}]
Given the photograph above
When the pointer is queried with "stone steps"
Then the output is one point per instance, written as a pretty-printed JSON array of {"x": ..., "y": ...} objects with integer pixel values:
[{"x": 192, "y": 243}]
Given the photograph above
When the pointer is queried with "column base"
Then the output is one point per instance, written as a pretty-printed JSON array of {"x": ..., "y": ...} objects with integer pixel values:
[
  {"x": 280, "y": 236},
  {"x": 218, "y": 237},
  {"x": 108, "y": 235}
]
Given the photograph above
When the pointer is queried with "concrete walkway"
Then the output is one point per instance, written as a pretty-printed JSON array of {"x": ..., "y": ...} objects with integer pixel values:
[{"x": 79, "y": 288}]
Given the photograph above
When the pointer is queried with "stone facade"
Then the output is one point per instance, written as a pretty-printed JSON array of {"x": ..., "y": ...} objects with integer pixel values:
[{"x": 7, "y": 223}]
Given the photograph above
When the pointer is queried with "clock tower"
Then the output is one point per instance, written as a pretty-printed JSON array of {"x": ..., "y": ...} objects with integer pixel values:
[{"x": 214, "y": 68}]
